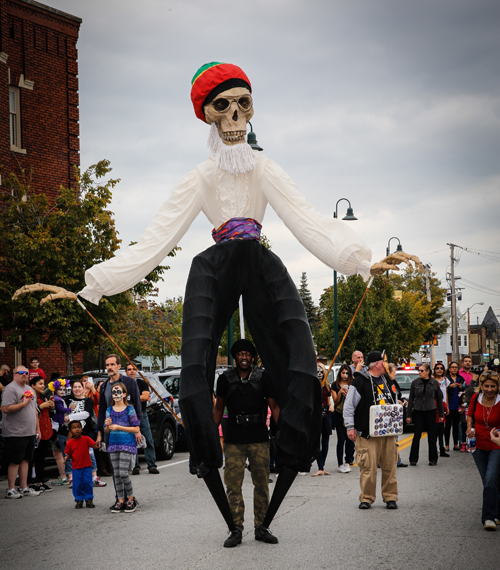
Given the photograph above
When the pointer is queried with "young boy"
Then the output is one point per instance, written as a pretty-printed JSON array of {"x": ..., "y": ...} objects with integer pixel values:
[{"x": 77, "y": 448}]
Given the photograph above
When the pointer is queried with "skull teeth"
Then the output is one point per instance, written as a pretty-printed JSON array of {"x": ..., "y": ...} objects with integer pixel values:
[{"x": 233, "y": 135}]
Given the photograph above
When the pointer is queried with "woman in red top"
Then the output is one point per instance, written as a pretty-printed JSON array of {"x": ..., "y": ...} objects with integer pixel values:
[{"x": 483, "y": 416}]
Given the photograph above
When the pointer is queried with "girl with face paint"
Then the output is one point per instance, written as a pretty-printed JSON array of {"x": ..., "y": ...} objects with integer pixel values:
[{"x": 122, "y": 424}]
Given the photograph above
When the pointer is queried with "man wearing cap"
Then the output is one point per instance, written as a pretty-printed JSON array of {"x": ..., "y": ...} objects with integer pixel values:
[
  {"x": 246, "y": 392},
  {"x": 372, "y": 387}
]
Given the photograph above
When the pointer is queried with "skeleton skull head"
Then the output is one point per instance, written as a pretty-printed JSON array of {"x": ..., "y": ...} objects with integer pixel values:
[{"x": 230, "y": 111}]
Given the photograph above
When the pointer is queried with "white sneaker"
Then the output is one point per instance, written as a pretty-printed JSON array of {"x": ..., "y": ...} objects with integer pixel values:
[
  {"x": 347, "y": 468},
  {"x": 490, "y": 525},
  {"x": 13, "y": 494},
  {"x": 29, "y": 492},
  {"x": 497, "y": 521},
  {"x": 342, "y": 469}
]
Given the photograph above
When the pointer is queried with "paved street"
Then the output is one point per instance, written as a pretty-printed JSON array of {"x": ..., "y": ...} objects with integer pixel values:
[{"x": 319, "y": 525}]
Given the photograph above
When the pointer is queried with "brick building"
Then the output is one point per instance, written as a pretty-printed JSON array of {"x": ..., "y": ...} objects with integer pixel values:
[{"x": 39, "y": 129}]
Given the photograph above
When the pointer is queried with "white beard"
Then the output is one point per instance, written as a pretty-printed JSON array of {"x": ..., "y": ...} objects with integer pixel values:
[{"x": 235, "y": 159}]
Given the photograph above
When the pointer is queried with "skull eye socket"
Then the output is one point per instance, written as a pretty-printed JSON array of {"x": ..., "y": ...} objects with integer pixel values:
[
  {"x": 221, "y": 105},
  {"x": 245, "y": 103}
]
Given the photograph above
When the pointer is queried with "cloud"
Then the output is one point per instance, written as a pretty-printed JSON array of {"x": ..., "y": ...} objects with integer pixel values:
[{"x": 393, "y": 105}]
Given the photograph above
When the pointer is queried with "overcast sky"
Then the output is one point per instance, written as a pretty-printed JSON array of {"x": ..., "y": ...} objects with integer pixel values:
[{"x": 394, "y": 105}]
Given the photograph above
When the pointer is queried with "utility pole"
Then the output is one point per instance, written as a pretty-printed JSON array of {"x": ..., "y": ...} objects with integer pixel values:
[
  {"x": 454, "y": 320},
  {"x": 429, "y": 299}
]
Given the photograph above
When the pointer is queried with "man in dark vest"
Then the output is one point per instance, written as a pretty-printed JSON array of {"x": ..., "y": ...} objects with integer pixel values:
[{"x": 246, "y": 392}]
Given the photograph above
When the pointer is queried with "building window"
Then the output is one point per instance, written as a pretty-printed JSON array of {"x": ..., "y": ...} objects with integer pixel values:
[
  {"x": 465, "y": 340},
  {"x": 459, "y": 340},
  {"x": 15, "y": 120}
]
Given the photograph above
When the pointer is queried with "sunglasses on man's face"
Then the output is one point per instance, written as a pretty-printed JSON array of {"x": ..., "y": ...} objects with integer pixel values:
[{"x": 22, "y": 372}]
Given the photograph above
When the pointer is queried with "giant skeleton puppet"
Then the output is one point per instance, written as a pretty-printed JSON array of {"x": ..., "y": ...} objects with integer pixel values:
[{"x": 233, "y": 188}]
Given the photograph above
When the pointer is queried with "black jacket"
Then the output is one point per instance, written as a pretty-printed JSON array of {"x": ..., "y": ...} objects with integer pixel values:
[{"x": 424, "y": 398}]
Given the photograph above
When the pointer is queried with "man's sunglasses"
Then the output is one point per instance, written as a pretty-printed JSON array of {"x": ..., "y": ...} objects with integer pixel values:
[{"x": 22, "y": 372}]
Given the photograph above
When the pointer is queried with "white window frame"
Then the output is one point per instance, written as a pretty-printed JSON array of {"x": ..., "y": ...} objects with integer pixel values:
[{"x": 15, "y": 120}]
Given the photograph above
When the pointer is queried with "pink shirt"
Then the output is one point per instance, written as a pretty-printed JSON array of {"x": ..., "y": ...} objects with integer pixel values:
[{"x": 467, "y": 376}]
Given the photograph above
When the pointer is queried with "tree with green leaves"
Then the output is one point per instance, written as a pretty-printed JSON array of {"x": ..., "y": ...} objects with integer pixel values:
[
  {"x": 383, "y": 321},
  {"x": 55, "y": 242},
  {"x": 152, "y": 329},
  {"x": 311, "y": 310},
  {"x": 415, "y": 281}
]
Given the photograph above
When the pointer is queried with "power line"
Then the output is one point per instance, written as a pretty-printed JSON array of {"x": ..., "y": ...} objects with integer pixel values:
[
  {"x": 483, "y": 253},
  {"x": 486, "y": 289}
]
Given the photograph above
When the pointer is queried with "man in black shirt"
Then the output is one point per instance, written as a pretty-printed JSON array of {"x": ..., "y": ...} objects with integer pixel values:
[
  {"x": 149, "y": 452},
  {"x": 246, "y": 392}
]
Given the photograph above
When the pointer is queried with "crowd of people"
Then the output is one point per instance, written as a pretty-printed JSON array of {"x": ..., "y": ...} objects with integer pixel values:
[
  {"x": 91, "y": 431},
  {"x": 95, "y": 431},
  {"x": 444, "y": 402}
]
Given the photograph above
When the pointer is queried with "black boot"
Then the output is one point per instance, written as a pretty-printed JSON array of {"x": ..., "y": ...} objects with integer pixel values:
[{"x": 233, "y": 539}]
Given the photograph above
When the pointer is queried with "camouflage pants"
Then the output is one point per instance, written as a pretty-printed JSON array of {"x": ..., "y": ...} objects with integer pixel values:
[{"x": 234, "y": 472}]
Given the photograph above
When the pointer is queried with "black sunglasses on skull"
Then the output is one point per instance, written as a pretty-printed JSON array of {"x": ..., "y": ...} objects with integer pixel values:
[{"x": 222, "y": 104}]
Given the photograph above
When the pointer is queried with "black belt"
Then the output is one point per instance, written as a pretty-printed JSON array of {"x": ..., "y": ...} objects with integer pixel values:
[{"x": 248, "y": 419}]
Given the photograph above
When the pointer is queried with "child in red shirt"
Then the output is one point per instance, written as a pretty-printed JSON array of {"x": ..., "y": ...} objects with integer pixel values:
[{"x": 77, "y": 448}]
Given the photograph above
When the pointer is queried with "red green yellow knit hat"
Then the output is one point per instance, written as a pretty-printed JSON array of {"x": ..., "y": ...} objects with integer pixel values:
[{"x": 214, "y": 78}]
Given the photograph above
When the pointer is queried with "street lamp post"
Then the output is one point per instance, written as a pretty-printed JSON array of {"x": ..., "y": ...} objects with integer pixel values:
[
  {"x": 468, "y": 325},
  {"x": 349, "y": 217},
  {"x": 388, "y": 250}
]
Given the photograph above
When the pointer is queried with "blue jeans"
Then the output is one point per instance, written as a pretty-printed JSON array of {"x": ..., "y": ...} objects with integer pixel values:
[
  {"x": 149, "y": 452},
  {"x": 488, "y": 465}
]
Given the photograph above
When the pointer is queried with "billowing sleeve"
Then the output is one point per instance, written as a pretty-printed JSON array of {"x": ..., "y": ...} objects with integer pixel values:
[
  {"x": 126, "y": 269},
  {"x": 332, "y": 241}
]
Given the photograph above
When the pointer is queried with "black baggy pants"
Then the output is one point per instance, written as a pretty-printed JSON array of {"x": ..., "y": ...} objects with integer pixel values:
[
  {"x": 424, "y": 421},
  {"x": 277, "y": 321}
]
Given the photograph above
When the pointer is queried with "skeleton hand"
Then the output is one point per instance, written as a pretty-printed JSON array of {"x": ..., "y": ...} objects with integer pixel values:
[
  {"x": 392, "y": 261},
  {"x": 58, "y": 292}
]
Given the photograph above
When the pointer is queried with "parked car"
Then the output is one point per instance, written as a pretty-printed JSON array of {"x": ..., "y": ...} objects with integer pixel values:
[
  {"x": 404, "y": 377},
  {"x": 170, "y": 380},
  {"x": 163, "y": 424}
]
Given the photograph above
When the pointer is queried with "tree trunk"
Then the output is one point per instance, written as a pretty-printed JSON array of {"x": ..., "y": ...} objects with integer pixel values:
[{"x": 69, "y": 358}]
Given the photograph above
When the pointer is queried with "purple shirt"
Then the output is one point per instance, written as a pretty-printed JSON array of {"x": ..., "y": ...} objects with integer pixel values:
[{"x": 123, "y": 440}]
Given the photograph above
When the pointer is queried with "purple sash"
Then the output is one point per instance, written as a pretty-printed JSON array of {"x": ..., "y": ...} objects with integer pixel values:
[{"x": 237, "y": 228}]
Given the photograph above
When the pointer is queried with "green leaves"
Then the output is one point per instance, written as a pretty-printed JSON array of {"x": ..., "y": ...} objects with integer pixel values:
[
  {"x": 55, "y": 243},
  {"x": 399, "y": 326}
]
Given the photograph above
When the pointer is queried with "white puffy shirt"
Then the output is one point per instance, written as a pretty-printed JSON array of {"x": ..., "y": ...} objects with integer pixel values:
[{"x": 222, "y": 196}]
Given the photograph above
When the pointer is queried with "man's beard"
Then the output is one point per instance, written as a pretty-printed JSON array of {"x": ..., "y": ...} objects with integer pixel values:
[{"x": 235, "y": 159}]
